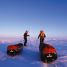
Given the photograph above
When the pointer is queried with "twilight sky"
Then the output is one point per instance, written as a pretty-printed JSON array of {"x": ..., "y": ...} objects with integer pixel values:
[{"x": 16, "y": 16}]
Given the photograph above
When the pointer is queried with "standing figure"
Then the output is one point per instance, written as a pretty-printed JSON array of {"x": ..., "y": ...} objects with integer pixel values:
[
  {"x": 41, "y": 36},
  {"x": 25, "y": 37}
]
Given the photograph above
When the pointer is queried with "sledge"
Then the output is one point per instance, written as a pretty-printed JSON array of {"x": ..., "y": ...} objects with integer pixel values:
[
  {"x": 14, "y": 49},
  {"x": 48, "y": 53}
]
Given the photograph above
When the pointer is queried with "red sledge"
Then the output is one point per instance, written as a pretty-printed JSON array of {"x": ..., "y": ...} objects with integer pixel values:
[
  {"x": 48, "y": 53},
  {"x": 14, "y": 49}
]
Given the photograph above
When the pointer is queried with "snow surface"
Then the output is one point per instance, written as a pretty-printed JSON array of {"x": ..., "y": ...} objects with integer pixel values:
[{"x": 30, "y": 55}]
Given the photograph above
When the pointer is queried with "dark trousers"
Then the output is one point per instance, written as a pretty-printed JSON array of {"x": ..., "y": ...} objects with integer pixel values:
[
  {"x": 25, "y": 41},
  {"x": 41, "y": 40}
]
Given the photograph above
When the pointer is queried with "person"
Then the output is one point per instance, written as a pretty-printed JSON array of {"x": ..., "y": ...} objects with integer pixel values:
[
  {"x": 25, "y": 37},
  {"x": 41, "y": 36}
]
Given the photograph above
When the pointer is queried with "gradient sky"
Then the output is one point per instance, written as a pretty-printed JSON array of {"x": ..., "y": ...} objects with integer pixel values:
[{"x": 16, "y": 16}]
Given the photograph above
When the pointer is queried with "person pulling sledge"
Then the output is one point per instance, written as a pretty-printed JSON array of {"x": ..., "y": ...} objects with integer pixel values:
[
  {"x": 41, "y": 36},
  {"x": 25, "y": 37}
]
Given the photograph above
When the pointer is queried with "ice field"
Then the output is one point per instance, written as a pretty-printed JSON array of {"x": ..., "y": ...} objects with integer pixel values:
[{"x": 30, "y": 55}]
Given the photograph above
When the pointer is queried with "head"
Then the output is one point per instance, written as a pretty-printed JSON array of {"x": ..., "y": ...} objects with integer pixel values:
[
  {"x": 26, "y": 31},
  {"x": 41, "y": 31}
]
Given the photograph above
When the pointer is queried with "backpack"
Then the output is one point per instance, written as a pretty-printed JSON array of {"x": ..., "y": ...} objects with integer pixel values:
[{"x": 42, "y": 34}]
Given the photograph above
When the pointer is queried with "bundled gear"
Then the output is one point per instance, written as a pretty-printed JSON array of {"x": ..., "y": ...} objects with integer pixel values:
[{"x": 48, "y": 53}]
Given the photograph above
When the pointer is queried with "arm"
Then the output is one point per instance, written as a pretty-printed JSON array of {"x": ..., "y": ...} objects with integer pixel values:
[
  {"x": 44, "y": 35},
  {"x": 28, "y": 34},
  {"x": 38, "y": 36}
]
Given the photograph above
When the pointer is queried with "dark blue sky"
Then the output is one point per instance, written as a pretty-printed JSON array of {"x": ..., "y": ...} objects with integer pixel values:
[{"x": 16, "y": 16}]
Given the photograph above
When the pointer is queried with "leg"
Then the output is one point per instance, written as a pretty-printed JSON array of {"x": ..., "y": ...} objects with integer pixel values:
[
  {"x": 25, "y": 41},
  {"x": 41, "y": 40}
]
